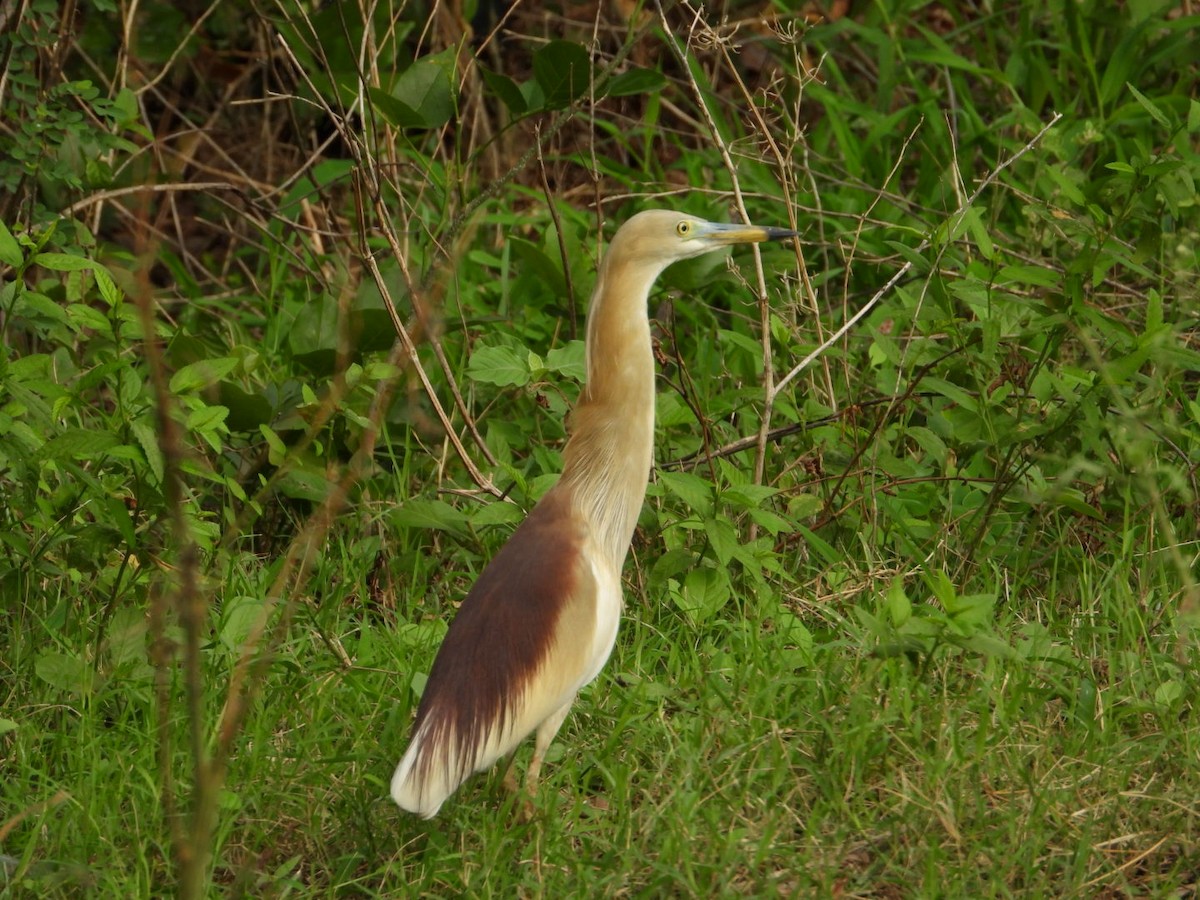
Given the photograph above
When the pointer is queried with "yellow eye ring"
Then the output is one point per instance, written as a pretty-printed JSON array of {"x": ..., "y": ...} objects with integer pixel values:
[{"x": 684, "y": 228}]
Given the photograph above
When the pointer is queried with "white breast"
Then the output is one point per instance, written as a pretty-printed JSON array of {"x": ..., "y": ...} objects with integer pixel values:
[{"x": 608, "y": 614}]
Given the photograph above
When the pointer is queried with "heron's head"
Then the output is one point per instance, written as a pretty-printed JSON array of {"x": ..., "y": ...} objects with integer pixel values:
[{"x": 659, "y": 237}]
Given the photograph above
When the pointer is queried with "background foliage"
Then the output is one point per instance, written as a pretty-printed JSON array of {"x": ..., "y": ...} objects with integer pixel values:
[{"x": 917, "y": 619}]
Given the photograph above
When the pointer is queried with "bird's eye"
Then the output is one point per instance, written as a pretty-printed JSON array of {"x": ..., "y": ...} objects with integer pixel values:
[{"x": 684, "y": 228}]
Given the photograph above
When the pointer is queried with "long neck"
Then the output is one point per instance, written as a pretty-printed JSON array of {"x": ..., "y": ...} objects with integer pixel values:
[{"x": 608, "y": 457}]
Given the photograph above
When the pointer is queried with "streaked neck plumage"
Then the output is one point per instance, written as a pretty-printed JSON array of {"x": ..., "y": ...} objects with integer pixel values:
[{"x": 609, "y": 454}]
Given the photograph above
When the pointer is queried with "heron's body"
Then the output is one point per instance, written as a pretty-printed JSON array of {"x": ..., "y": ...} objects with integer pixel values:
[{"x": 540, "y": 622}]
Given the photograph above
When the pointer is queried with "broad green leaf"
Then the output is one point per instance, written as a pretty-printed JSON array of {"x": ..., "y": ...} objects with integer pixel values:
[
  {"x": 79, "y": 443},
  {"x": 506, "y": 89},
  {"x": 951, "y": 392},
  {"x": 64, "y": 262},
  {"x": 66, "y": 673},
  {"x": 973, "y": 610},
  {"x": 126, "y": 641},
  {"x": 32, "y": 303},
  {"x": 10, "y": 250},
  {"x": 989, "y": 645},
  {"x": 498, "y": 513},
  {"x": 771, "y": 521},
  {"x": 147, "y": 438},
  {"x": 82, "y": 316},
  {"x": 748, "y": 496},
  {"x": 425, "y": 514},
  {"x": 207, "y": 418},
  {"x": 897, "y": 604},
  {"x": 501, "y": 366},
  {"x": 635, "y": 81},
  {"x": 563, "y": 71},
  {"x": 1038, "y": 276},
  {"x": 305, "y": 484},
  {"x": 277, "y": 450},
  {"x": 570, "y": 360},
  {"x": 705, "y": 592},
  {"x": 723, "y": 538},
  {"x": 428, "y": 87},
  {"x": 793, "y": 631},
  {"x": 1168, "y": 694},
  {"x": 942, "y": 587},
  {"x": 202, "y": 374},
  {"x": 109, "y": 292},
  {"x": 694, "y": 491},
  {"x": 535, "y": 262},
  {"x": 671, "y": 564},
  {"x": 240, "y": 618}
]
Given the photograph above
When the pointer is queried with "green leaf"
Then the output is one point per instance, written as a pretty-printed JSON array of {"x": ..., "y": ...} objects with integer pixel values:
[
  {"x": 10, "y": 250},
  {"x": 748, "y": 495},
  {"x": 694, "y": 491},
  {"x": 66, "y": 673},
  {"x": 973, "y": 610},
  {"x": 206, "y": 418},
  {"x": 670, "y": 565},
  {"x": 536, "y": 263},
  {"x": 1168, "y": 694},
  {"x": 942, "y": 588},
  {"x": 64, "y": 262},
  {"x": 126, "y": 641},
  {"x": 822, "y": 548},
  {"x": 635, "y": 81},
  {"x": 7, "y": 725},
  {"x": 305, "y": 484},
  {"x": 276, "y": 449},
  {"x": 506, "y": 89},
  {"x": 1147, "y": 104},
  {"x": 563, "y": 72},
  {"x": 705, "y": 592},
  {"x": 423, "y": 95},
  {"x": 498, "y": 513},
  {"x": 1038, "y": 276},
  {"x": 570, "y": 360},
  {"x": 897, "y": 604},
  {"x": 951, "y": 392},
  {"x": 794, "y": 632},
  {"x": 202, "y": 374},
  {"x": 239, "y": 620},
  {"x": 723, "y": 538},
  {"x": 34, "y": 304},
  {"x": 426, "y": 514},
  {"x": 79, "y": 443},
  {"x": 771, "y": 521},
  {"x": 109, "y": 291},
  {"x": 83, "y": 316},
  {"x": 501, "y": 366}
]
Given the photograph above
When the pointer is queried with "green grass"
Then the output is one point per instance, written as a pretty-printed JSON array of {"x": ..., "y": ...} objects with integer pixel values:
[
  {"x": 944, "y": 647},
  {"x": 716, "y": 762}
]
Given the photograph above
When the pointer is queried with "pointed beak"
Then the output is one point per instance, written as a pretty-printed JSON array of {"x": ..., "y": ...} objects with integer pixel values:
[{"x": 724, "y": 235}]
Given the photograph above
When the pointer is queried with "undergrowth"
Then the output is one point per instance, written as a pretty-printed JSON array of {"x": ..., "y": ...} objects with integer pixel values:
[{"x": 292, "y": 310}]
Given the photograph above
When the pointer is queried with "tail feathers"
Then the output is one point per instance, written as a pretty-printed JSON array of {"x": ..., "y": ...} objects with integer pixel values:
[{"x": 421, "y": 789}]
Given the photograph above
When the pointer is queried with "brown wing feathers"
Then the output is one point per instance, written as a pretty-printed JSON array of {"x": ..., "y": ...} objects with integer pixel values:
[{"x": 501, "y": 637}]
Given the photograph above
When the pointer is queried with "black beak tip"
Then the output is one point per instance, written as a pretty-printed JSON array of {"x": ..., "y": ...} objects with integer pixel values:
[{"x": 781, "y": 234}]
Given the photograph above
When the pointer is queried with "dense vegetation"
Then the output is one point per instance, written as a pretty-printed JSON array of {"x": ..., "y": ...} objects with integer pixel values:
[{"x": 291, "y": 312}]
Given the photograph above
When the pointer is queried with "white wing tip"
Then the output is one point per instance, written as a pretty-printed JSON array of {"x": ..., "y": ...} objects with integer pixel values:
[{"x": 410, "y": 794}]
